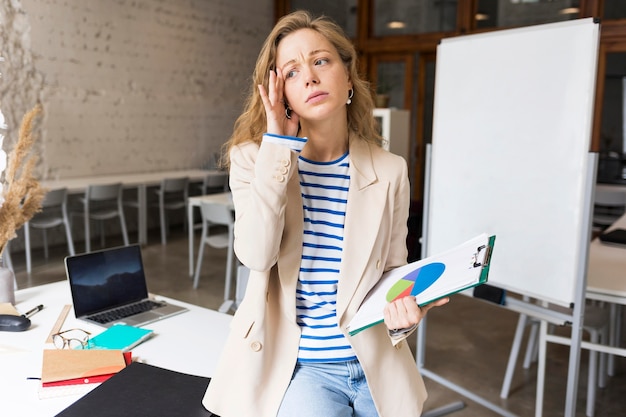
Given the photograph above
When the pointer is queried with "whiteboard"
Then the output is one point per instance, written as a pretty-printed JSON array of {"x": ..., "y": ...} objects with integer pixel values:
[{"x": 510, "y": 152}]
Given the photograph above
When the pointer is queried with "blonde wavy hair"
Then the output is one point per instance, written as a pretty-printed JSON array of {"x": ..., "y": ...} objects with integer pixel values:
[{"x": 252, "y": 123}]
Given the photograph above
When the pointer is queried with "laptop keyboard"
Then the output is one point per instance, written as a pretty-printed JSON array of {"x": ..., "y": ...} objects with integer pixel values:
[{"x": 125, "y": 311}]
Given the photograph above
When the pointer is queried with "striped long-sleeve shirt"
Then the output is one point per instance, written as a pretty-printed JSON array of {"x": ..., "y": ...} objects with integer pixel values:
[
  {"x": 324, "y": 195},
  {"x": 324, "y": 189}
]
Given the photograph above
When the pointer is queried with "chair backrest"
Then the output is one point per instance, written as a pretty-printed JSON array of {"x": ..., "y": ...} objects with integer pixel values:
[
  {"x": 609, "y": 198},
  {"x": 215, "y": 183},
  {"x": 243, "y": 273},
  {"x": 171, "y": 185},
  {"x": 216, "y": 213},
  {"x": 173, "y": 193},
  {"x": 608, "y": 207},
  {"x": 103, "y": 192},
  {"x": 54, "y": 198},
  {"x": 53, "y": 210}
]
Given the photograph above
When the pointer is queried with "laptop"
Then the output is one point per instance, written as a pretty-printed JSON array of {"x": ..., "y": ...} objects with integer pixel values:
[{"x": 109, "y": 287}]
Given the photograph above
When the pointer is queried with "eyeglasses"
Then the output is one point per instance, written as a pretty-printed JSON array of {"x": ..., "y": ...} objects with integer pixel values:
[{"x": 72, "y": 338}]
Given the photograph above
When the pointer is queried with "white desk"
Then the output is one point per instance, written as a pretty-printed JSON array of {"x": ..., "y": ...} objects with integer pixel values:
[
  {"x": 606, "y": 272},
  {"x": 190, "y": 342},
  {"x": 140, "y": 181},
  {"x": 606, "y": 279},
  {"x": 218, "y": 198}
]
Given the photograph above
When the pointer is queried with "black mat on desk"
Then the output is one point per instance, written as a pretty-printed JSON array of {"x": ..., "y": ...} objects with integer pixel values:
[
  {"x": 616, "y": 236},
  {"x": 144, "y": 390}
]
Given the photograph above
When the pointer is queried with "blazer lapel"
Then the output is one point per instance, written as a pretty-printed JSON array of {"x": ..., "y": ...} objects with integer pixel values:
[
  {"x": 290, "y": 258},
  {"x": 366, "y": 203}
]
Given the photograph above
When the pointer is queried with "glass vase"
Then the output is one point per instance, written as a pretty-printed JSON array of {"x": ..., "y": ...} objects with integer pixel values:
[{"x": 7, "y": 284}]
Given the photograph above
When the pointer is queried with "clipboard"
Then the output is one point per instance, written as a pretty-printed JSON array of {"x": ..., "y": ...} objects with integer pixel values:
[{"x": 438, "y": 276}]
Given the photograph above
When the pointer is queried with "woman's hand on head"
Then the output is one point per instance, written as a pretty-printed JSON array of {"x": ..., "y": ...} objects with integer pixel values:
[
  {"x": 274, "y": 103},
  {"x": 405, "y": 313}
]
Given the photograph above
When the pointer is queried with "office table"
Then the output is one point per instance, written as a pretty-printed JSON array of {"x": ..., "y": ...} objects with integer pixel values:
[
  {"x": 140, "y": 181},
  {"x": 606, "y": 279},
  {"x": 190, "y": 342},
  {"x": 606, "y": 272},
  {"x": 218, "y": 198}
]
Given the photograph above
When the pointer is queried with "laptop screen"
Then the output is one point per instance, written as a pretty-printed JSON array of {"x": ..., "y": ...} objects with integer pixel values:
[{"x": 106, "y": 279}]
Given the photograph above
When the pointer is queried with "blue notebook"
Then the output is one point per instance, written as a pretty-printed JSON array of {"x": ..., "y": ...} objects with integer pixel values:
[{"x": 120, "y": 337}]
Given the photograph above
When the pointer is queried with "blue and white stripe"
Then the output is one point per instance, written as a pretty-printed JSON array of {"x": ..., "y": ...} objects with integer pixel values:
[
  {"x": 292, "y": 142},
  {"x": 324, "y": 189}
]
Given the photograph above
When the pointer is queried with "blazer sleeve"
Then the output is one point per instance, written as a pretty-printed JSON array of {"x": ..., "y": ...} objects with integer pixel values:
[{"x": 259, "y": 177}]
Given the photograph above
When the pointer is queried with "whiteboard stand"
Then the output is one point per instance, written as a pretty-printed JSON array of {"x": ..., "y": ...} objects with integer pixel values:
[
  {"x": 579, "y": 309},
  {"x": 445, "y": 410},
  {"x": 510, "y": 157},
  {"x": 455, "y": 406},
  {"x": 526, "y": 307}
]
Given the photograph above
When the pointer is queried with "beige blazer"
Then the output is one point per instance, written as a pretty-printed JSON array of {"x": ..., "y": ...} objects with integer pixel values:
[{"x": 260, "y": 354}]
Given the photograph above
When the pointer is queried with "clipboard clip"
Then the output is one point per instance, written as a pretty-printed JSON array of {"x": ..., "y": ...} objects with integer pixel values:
[{"x": 476, "y": 258}]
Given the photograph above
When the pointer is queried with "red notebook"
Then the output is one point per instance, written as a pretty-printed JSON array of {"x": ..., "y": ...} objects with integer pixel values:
[{"x": 54, "y": 381}]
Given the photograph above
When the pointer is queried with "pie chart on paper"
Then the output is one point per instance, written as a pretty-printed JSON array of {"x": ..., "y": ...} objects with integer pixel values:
[{"x": 416, "y": 281}]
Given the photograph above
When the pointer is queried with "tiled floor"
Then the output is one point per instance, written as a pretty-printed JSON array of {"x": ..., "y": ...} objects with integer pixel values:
[{"x": 468, "y": 341}]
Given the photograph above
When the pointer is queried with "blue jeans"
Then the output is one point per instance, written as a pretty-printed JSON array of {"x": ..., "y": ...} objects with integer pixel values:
[{"x": 328, "y": 390}]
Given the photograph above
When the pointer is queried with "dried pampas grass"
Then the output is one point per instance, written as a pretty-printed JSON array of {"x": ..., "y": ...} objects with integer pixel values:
[{"x": 22, "y": 192}]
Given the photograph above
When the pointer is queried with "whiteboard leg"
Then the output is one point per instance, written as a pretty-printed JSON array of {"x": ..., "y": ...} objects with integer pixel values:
[
  {"x": 531, "y": 349},
  {"x": 615, "y": 324},
  {"x": 592, "y": 376},
  {"x": 445, "y": 410},
  {"x": 510, "y": 368},
  {"x": 578, "y": 318},
  {"x": 574, "y": 361},
  {"x": 466, "y": 393},
  {"x": 420, "y": 347},
  {"x": 541, "y": 368}
]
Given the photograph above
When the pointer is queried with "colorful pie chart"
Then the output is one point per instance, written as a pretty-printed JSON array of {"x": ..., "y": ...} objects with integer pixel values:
[{"x": 416, "y": 281}]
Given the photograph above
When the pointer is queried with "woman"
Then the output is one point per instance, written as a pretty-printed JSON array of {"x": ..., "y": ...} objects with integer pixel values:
[{"x": 321, "y": 212}]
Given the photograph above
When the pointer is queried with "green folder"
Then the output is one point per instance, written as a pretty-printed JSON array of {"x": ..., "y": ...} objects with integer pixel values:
[{"x": 120, "y": 337}]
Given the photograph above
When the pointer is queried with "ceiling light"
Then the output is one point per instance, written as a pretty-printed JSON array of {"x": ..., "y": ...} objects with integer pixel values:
[
  {"x": 396, "y": 24},
  {"x": 570, "y": 10},
  {"x": 481, "y": 16}
]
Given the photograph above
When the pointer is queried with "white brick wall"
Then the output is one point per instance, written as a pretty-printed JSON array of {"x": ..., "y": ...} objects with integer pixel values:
[{"x": 129, "y": 85}]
